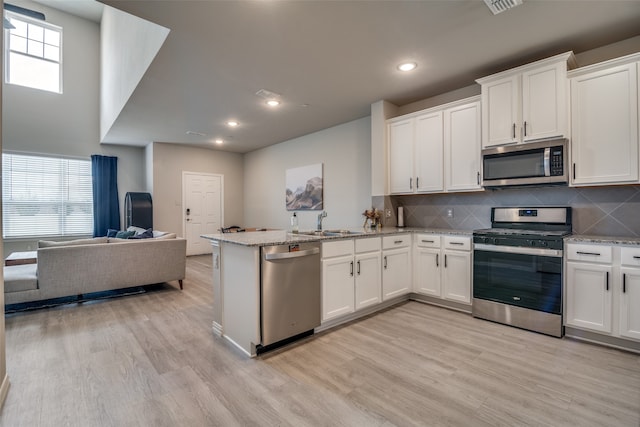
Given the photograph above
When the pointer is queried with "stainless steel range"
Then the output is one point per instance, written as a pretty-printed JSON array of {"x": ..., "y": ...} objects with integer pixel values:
[{"x": 517, "y": 268}]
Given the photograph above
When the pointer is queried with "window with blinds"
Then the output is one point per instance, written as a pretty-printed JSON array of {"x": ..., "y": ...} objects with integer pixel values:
[{"x": 46, "y": 196}]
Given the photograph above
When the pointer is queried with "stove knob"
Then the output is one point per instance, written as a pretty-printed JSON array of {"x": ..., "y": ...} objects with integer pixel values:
[
  {"x": 531, "y": 242},
  {"x": 543, "y": 243}
]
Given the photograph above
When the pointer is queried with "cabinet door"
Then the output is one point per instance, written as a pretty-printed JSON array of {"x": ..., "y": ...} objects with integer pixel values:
[
  {"x": 401, "y": 156},
  {"x": 544, "y": 102},
  {"x": 337, "y": 287},
  {"x": 427, "y": 271},
  {"x": 604, "y": 126},
  {"x": 589, "y": 296},
  {"x": 396, "y": 273},
  {"x": 630, "y": 303},
  {"x": 500, "y": 111},
  {"x": 429, "y": 153},
  {"x": 462, "y": 147},
  {"x": 368, "y": 280},
  {"x": 456, "y": 276}
]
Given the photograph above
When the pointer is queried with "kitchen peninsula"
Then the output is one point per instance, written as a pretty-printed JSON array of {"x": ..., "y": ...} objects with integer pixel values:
[{"x": 242, "y": 274}]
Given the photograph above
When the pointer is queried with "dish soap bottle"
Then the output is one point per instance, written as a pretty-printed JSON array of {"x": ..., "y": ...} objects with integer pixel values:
[{"x": 294, "y": 223}]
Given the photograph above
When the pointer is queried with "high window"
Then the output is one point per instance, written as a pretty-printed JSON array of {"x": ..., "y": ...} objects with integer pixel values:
[
  {"x": 46, "y": 196},
  {"x": 33, "y": 53}
]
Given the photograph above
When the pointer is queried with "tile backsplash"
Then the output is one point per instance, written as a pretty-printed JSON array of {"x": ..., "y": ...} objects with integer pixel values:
[{"x": 607, "y": 211}]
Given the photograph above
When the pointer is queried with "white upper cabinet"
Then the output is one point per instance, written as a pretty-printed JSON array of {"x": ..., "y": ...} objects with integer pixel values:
[
  {"x": 527, "y": 103},
  {"x": 604, "y": 123},
  {"x": 436, "y": 150},
  {"x": 462, "y": 147}
]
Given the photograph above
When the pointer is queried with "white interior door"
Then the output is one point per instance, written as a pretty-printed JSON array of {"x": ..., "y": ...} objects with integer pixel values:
[{"x": 202, "y": 209}]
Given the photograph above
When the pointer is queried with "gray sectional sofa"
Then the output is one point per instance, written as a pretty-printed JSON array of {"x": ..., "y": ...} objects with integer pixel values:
[{"x": 93, "y": 265}]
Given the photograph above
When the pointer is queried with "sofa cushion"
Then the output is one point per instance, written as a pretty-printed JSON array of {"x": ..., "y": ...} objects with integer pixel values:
[
  {"x": 112, "y": 232},
  {"x": 18, "y": 278},
  {"x": 124, "y": 234},
  {"x": 148, "y": 234},
  {"x": 93, "y": 241}
]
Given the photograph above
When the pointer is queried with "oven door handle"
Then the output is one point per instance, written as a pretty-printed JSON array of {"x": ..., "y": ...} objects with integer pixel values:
[{"x": 555, "y": 253}]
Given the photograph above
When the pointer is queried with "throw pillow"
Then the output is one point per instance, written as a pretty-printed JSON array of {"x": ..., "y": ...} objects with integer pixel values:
[
  {"x": 136, "y": 230},
  {"x": 147, "y": 234},
  {"x": 111, "y": 232},
  {"x": 124, "y": 234}
]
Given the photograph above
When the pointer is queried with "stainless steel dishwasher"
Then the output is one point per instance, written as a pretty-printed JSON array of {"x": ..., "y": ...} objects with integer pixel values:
[{"x": 290, "y": 292}]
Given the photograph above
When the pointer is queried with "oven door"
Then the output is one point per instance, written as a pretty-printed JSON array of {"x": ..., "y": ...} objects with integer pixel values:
[{"x": 520, "y": 276}]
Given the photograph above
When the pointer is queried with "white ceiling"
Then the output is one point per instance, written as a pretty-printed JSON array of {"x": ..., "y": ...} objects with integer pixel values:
[{"x": 336, "y": 57}]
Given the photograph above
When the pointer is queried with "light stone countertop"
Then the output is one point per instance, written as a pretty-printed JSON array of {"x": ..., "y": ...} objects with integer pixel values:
[
  {"x": 610, "y": 240},
  {"x": 283, "y": 237}
]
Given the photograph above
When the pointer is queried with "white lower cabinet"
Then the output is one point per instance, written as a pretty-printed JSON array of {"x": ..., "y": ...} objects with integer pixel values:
[
  {"x": 396, "y": 266},
  {"x": 603, "y": 289},
  {"x": 350, "y": 276},
  {"x": 630, "y": 296},
  {"x": 443, "y": 267}
]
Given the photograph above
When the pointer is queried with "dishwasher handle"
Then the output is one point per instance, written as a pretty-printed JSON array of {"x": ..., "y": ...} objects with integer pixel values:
[{"x": 295, "y": 254}]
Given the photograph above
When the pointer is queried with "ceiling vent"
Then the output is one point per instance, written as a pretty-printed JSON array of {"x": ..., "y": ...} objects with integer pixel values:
[{"x": 497, "y": 6}]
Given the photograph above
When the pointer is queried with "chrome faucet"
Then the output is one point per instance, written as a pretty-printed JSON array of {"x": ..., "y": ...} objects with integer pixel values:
[{"x": 320, "y": 216}]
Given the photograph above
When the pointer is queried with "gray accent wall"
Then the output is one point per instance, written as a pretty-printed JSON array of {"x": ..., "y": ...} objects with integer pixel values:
[{"x": 606, "y": 211}]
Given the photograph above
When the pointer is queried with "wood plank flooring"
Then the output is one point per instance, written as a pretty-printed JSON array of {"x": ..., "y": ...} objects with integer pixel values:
[{"x": 152, "y": 360}]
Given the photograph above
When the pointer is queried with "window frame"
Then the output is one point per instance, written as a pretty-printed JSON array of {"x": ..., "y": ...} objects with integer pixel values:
[
  {"x": 64, "y": 203},
  {"x": 7, "y": 51}
]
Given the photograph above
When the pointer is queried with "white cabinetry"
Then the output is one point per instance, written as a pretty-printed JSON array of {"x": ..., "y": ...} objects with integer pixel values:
[
  {"x": 589, "y": 291},
  {"x": 630, "y": 295},
  {"x": 604, "y": 122},
  {"x": 429, "y": 145},
  {"x": 350, "y": 276},
  {"x": 396, "y": 265},
  {"x": 527, "y": 103},
  {"x": 603, "y": 289},
  {"x": 443, "y": 267}
]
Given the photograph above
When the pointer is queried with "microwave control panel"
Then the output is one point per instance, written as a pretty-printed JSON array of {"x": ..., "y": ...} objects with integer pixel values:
[{"x": 557, "y": 161}]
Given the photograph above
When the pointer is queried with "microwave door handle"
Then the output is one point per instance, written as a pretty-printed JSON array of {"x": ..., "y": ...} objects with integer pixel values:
[{"x": 547, "y": 161}]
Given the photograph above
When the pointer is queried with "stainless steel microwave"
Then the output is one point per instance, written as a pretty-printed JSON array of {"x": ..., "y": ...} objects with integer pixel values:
[{"x": 535, "y": 163}]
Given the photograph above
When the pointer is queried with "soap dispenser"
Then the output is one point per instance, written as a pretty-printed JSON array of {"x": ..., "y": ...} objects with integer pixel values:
[{"x": 294, "y": 223}]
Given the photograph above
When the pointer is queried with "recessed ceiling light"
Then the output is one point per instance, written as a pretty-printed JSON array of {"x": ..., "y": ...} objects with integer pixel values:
[
  {"x": 273, "y": 103},
  {"x": 232, "y": 123},
  {"x": 407, "y": 66},
  {"x": 218, "y": 141}
]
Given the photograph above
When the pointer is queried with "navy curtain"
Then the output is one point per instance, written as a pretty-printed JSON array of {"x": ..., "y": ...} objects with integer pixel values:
[{"x": 106, "y": 209}]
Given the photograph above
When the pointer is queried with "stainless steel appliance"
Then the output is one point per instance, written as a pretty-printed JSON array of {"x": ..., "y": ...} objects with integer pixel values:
[
  {"x": 517, "y": 268},
  {"x": 536, "y": 163},
  {"x": 290, "y": 292}
]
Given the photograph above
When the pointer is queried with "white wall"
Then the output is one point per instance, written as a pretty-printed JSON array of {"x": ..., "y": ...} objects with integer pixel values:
[
  {"x": 345, "y": 152},
  {"x": 170, "y": 160},
  {"x": 67, "y": 124}
]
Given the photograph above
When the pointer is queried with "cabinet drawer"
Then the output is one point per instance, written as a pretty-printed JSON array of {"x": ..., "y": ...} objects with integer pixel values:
[
  {"x": 590, "y": 253},
  {"x": 457, "y": 243},
  {"x": 630, "y": 256},
  {"x": 428, "y": 240},
  {"x": 337, "y": 248},
  {"x": 397, "y": 241},
  {"x": 370, "y": 244}
]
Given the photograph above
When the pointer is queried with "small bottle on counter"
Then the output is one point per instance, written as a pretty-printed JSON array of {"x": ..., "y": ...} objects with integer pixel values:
[{"x": 294, "y": 223}]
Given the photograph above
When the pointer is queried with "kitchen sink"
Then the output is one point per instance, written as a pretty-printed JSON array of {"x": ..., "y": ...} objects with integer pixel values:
[{"x": 331, "y": 233}]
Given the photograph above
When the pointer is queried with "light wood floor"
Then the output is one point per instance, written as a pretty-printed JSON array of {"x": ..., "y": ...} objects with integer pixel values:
[{"x": 152, "y": 360}]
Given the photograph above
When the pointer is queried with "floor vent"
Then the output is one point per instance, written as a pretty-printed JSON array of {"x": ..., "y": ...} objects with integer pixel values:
[{"x": 497, "y": 6}]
